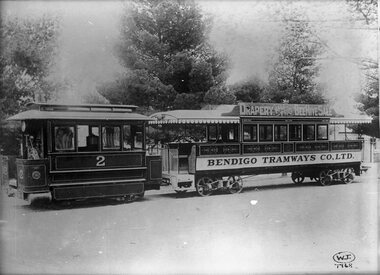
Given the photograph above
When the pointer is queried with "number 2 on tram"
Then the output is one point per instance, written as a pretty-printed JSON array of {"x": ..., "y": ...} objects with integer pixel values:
[
  {"x": 256, "y": 138},
  {"x": 85, "y": 151}
]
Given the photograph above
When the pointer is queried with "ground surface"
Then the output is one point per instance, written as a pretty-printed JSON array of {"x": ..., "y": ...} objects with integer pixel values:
[{"x": 274, "y": 226}]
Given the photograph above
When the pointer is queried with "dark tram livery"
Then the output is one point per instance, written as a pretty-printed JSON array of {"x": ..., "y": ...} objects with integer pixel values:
[
  {"x": 256, "y": 138},
  {"x": 85, "y": 151}
]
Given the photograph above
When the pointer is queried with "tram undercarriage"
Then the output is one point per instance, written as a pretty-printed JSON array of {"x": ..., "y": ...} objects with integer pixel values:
[{"x": 232, "y": 181}]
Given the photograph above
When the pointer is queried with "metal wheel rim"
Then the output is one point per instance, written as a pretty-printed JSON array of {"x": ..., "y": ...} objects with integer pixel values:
[
  {"x": 297, "y": 177},
  {"x": 324, "y": 178},
  {"x": 237, "y": 184},
  {"x": 202, "y": 188},
  {"x": 349, "y": 178}
]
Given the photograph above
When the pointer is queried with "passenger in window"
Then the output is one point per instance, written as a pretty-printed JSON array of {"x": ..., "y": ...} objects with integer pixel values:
[
  {"x": 64, "y": 138},
  {"x": 34, "y": 148},
  {"x": 92, "y": 141},
  {"x": 219, "y": 139}
]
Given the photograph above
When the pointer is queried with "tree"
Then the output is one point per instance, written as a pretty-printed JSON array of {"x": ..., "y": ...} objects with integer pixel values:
[
  {"x": 295, "y": 69},
  {"x": 251, "y": 90},
  {"x": 369, "y": 96},
  {"x": 166, "y": 42},
  {"x": 219, "y": 95},
  {"x": 140, "y": 88},
  {"x": 366, "y": 9},
  {"x": 28, "y": 47}
]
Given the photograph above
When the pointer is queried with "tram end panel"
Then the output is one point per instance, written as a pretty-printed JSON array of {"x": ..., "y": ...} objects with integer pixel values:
[
  {"x": 31, "y": 178},
  {"x": 154, "y": 172}
]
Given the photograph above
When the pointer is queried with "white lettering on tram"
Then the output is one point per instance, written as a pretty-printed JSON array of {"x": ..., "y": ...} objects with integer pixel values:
[
  {"x": 218, "y": 163},
  {"x": 270, "y": 109},
  {"x": 231, "y": 161}
]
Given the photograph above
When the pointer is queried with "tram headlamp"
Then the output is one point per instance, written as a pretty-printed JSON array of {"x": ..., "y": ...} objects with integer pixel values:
[{"x": 36, "y": 175}]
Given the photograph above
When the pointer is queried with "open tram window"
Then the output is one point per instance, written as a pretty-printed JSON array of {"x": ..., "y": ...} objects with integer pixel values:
[
  {"x": 110, "y": 137},
  {"x": 266, "y": 132},
  {"x": 294, "y": 132},
  {"x": 229, "y": 133},
  {"x": 132, "y": 137},
  {"x": 322, "y": 131},
  {"x": 87, "y": 138},
  {"x": 280, "y": 132},
  {"x": 31, "y": 146},
  {"x": 308, "y": 132},
  {"x": 212, "y": 131},
  {"x": 64, "y": 138},
  {"x": 250, "y": 132}
]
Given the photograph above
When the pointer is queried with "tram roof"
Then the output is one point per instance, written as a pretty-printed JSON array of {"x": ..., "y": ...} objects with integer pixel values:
[
  {"x": 360, "y": 119},
  {"x": 232, "y": 113},
  {"x": 44, "y": 111},
  {"x": 193, "y": 117}
]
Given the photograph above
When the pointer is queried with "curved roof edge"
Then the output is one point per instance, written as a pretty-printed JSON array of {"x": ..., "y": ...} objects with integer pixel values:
[{"x": 79, "y": 112}]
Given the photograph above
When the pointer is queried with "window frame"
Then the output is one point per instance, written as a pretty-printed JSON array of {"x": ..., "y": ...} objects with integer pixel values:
[
  {"x": 327, "y": 131},
  {"x": 260, "y": 137},
  {"x": 216, "y": 133},
  {"x": 120, "y": 137},
  {"x": 225, "y": 131},
  {"x": 251, "y": 127},
  {"x": 89, "y": 125},
  {"x": 300, "y": 132},
  {"x": 304, "y": 132},
  {"x": 74, "y": 138},
  {"x": 275, "y": 127}
]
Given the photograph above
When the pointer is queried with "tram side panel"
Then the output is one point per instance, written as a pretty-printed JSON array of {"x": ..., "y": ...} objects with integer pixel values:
[
  {"x": 97, "y": 175},
  {"x": 309, "y": 163}
]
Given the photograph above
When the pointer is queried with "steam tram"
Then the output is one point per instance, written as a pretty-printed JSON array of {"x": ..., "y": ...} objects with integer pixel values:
[
  {"x": 251, "y": 139},
  {"x": 84, "y": 151}
]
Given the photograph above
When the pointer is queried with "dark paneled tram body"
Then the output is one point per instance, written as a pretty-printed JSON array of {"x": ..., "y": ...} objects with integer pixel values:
[{"x": 85, "y": 151}]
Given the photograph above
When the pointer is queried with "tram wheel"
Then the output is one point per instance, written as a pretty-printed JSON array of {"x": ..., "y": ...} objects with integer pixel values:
[
  {"x": 348, "y": 175},
  {"x": 204, "y": 186},
  {"x": 297, "y": 177},
  {"x": 235, "y": 184},
  {"x": 325, "y": 178}
]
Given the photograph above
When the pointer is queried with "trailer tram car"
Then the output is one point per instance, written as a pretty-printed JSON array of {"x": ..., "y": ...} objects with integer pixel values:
[
  {"x": 84, "y": 151},
  {"x": 254, "y": 138}
]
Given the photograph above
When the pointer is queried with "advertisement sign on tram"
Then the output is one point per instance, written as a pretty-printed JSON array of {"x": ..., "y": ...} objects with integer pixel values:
[{"x": 237, "y": 162}]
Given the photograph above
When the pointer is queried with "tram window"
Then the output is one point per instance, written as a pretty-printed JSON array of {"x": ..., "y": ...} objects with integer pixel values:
[
  {"x": 64, "y": 138},
  {"x": 132, "y": 137},
  {"x": 266, "y": 132},
  {"x": 250, "y": 132},
  {"x": 127, "y": 137},
  {"x": 32, "y": 146},
  {"x": 229, "y": 133},
  {"x": 322, "y": 132},
  {"x": 294, "y": 132},
  {"x": 280, "y": 132},
  {"x": 88, "y": 138},
  {"x": 309, "y": 132},
  {"x": 110, "y": 137},
  {"x": 137, "y": 132},
  {"x": 212, "y": 132}
]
